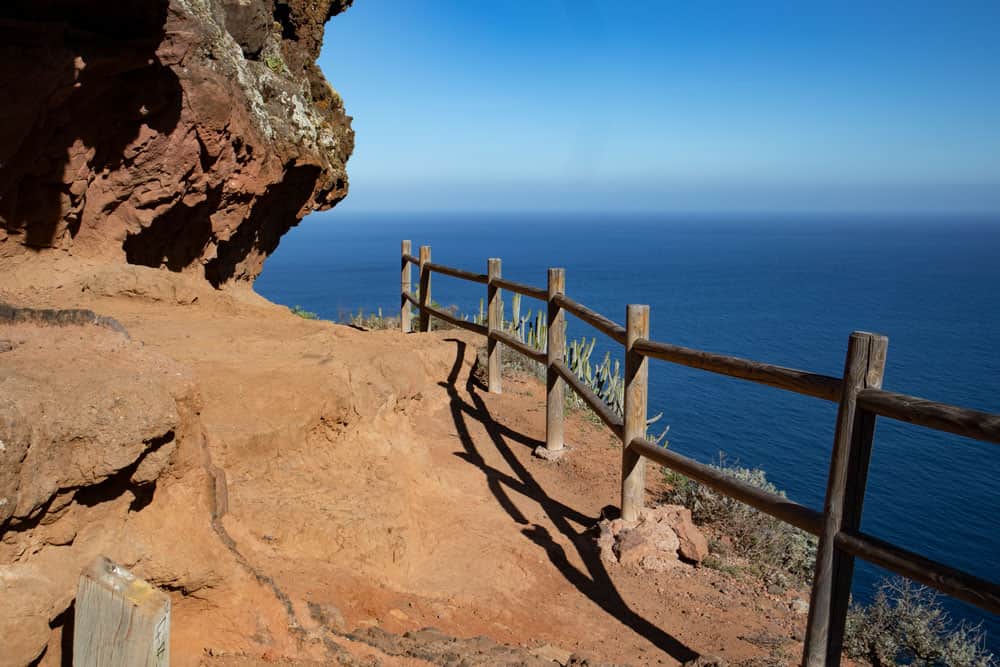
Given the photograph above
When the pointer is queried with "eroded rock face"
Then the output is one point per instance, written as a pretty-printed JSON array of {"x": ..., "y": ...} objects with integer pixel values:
[
  {"x": 83, "y": 411},
  {"x": 189, "y": 134}
]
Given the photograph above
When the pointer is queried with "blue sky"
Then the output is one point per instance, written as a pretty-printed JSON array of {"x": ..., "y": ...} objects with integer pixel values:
[{"x": 670, "y": 106}]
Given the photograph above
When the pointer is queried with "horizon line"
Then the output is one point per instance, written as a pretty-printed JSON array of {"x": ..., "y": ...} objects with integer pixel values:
[{"x": 968, "y": 213}]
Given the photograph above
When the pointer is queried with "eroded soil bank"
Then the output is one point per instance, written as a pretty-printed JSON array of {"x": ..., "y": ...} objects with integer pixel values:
[{"x": 308, "y": 492}]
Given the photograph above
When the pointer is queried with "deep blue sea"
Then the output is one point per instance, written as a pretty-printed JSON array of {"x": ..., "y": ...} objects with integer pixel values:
[{"x": 782, "y": 289}]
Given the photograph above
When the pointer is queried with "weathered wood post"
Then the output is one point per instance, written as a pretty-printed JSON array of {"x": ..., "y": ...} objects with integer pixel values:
[
  {"x": 555, "y": 351},
  {"x": 636, "y": 390},
  {"x": 845, "y": 492},
  {"x": 404, "y": 305},
  {"x": 494, "y": 319},
  {"x": 120, "y": 620},
  {"x": 425, "y": 287}
]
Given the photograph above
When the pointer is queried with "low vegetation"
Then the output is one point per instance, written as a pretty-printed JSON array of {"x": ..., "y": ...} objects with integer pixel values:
[
  {"x": 303, "y": 313},
  {"x": 274, "y": 63},
  {"x": 751, "y": 541},
  {"x": 370, "y": 322},
  {"x": 906, "y": 625}
]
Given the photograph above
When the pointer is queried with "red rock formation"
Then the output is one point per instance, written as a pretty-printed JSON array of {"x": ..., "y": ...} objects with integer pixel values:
[{"x": 189, "y": 134}]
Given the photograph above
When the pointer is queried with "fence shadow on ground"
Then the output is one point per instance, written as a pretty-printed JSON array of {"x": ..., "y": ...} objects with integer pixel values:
[
  {"x": 858, "y": 394},
  {"x": 594, "y": 582}
]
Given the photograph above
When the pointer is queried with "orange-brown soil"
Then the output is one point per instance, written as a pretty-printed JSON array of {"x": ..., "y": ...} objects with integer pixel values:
[{"x": 329, "y": 486}]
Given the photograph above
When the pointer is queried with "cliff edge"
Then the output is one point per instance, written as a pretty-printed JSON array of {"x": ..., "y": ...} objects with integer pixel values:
[{"x": 186, "y": 134}]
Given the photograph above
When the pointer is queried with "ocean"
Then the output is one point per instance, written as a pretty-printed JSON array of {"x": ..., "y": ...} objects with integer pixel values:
[{"x": 786, "y": 290}]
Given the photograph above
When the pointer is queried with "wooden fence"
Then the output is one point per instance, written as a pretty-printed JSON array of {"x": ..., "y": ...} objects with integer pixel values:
[{"x": 858, "y": 393}]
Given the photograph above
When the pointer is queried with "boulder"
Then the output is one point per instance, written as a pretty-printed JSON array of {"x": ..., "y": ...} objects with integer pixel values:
[
  {"x": 656, "y": 541},
  {"x": 707, "y": 661},
  {"x": 693, "y": 545}
]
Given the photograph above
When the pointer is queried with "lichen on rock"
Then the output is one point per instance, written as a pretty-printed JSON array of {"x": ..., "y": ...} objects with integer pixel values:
[{"x": 186, "y": 134}]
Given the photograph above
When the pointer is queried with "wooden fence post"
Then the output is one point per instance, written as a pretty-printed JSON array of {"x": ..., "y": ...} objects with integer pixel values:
[
  {"x": 636, "y": 390},
  {"x": 425, "y": 287},
  {"x": 852, "y": 445},
  {"x": 120, "y": 620},
  {"x": 555, "y": 351},
  {"x": 404, "y": 306},
  {"x": 494, "y": 320}
]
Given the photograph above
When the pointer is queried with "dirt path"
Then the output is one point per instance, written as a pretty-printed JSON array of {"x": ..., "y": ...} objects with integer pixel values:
[
  {"x": 436, "y": 514},
  {"x": 367, "y": 480}
]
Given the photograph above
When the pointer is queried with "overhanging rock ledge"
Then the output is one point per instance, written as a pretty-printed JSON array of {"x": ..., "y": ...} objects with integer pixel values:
[{"x": 186, "y": 134}]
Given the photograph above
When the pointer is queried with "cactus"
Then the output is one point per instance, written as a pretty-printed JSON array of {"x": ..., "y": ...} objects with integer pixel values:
[{"x": 605, "y": 378}]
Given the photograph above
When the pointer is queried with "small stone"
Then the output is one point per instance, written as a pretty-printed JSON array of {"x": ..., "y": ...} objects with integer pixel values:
[
  {"x": 549, "y": 454},
  {"x": 799, "y": 606},
  {"x": 707, "y": 661},
  {"x": 327, "y": 615},
  {"x": 427, "y": 635},
  {"x": 553, "y": 653},
  {"x": 606, "y": 542}
]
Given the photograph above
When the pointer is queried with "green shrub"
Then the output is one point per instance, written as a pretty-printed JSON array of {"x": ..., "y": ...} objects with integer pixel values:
[
  {"x": 371, "y": 322},
  {"x": 303, "y": 313},
  {"x": 780, "y": 554},
  {"x": 906, "y": 625}
]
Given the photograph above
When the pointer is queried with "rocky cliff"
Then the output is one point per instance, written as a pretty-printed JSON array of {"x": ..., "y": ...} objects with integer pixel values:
[{"x": 187, "y": 134}]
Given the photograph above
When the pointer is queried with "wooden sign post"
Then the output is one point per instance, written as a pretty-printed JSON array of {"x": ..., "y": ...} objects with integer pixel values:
[{"x": 120, "y": 620}]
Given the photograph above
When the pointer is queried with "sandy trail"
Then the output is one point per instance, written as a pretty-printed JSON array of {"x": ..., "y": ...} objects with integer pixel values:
[{"x": 369, "y": 480}]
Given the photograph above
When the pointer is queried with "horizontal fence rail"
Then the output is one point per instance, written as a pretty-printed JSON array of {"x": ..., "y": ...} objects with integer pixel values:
[
  {"x": 515, "y": 344},
  {"x": 861, "y": 401},
  {"x": 449, "y": 318},
  {"x": 978, "y": 592},
  {"x": 593, "y": 401},
  {"x": 457, "y": 321},
  {"x": 939, "y": 416},
  {"x": 777, "y": 506},
  {"x": 481, "y": 278},
  {"x": 521, "y": 288},
  {"x": 801, "y": 382},
  {"x": 594, "y": 319}
]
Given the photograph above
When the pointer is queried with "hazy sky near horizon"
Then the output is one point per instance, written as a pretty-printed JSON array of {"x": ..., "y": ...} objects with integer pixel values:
[{"x": 672, "y": 106}]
